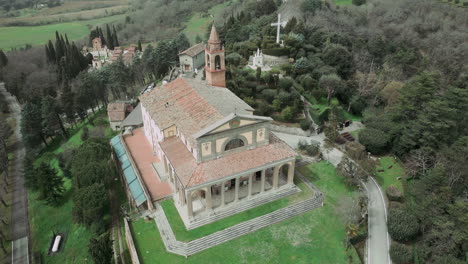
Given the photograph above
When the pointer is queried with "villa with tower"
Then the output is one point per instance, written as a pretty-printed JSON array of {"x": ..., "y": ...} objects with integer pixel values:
[{"x": 202, "y": 145}]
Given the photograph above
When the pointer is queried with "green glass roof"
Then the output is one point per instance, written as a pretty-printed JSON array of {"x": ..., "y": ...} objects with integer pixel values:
[{"x": 130, "y": 176}]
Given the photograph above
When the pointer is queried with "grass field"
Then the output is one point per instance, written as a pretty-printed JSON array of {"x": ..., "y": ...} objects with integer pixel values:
[
  {"x": 17, "y": 37},
  {"x": 392, "y": 169},
  {"x": 317, "y": 236},
  {"x": 45, "y": 220},
  {"x": 343, "y": 2},
  {"x": 183, "y": 235},
  {"x": 198, "y": 23}
]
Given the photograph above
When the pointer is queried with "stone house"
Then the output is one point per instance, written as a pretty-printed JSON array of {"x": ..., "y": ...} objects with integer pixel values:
[
  {"x": 192, "y": 58},
  {"x": 117, "y": 112}
]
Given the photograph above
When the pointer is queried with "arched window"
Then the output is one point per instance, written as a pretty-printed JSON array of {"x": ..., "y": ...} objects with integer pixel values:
[
  {"x": 234, "y": 143},
  {"x": 217, "y": 62},
  {"x": 208, "y": 60}
]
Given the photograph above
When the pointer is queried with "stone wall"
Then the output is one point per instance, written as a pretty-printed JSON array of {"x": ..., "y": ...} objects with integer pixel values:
[{"x": 130, "y": 244}]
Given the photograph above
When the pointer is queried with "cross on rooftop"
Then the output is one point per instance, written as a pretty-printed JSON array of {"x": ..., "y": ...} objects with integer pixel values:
[{"x": 279, "y": 24}]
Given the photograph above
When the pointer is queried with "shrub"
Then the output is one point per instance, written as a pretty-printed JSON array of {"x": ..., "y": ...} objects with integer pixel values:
[
  {"x": 269, "y": 95},
  {"x": 359, "y": 2},
  {"x": 85, "y": 134},
  {"x": 305, "y": 124},
  {"x": 375, "y": 140},
  {"x": 400, "y": 253},
  {"x": 402, "y": 225},
  {"x": 394, "y": 194},
  {"x": 287, "y": 114}
]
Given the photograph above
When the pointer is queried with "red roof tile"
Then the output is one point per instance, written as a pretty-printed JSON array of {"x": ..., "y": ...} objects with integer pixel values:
[{"x": 191, "y": 173}]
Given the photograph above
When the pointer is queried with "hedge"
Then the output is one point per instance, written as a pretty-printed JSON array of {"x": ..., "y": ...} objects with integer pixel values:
[
  {"x": 402, "y": 224},
  {"x": 400, "y": 253},
  {"x": 394, "y": 194}
]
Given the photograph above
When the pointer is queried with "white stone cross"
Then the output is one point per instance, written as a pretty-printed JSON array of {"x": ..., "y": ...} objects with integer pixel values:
[{"x": 279, "y": 24}]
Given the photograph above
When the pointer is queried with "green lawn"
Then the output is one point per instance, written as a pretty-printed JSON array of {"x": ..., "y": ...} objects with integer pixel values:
[
  {"x": 17, "y": 37},
  {"x": 182, "y": 234},
  {"x": 389, "y": 175},
  {"x": 317, "y": 236},
  {"x": 343, "y": 2},
  {"x": 45, "y": 220},
  {"x": 198, "y": 23}
]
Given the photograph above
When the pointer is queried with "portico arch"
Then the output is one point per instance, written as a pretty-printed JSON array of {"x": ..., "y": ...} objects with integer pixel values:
[{"x": 234, "y": 142}]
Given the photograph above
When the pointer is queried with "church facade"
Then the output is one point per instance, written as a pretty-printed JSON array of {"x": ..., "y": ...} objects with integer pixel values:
[{"x": 211, "y": 149}]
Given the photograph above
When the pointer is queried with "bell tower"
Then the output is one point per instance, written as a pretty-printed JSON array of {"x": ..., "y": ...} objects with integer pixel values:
[{"x": 215, "y": 67}]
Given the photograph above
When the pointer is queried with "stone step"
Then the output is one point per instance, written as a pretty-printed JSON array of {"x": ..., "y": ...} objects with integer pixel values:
[
  {"x": 242, "y": 207},
  {"x": 244, "y": 228}
]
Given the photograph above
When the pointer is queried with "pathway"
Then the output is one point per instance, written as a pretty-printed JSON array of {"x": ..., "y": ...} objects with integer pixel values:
[
  {"x": 378, "y": 242},
  {"x": 19, "y": 214},
  {"x": 189, "y": 248}
]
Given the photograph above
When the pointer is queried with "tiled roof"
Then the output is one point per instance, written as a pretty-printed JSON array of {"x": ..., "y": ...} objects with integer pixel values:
[
  {"x": 116, "y": 111},
  {"x": 191, "y": 105},
  {"x": 191, "y": 173},
  {"x": 194, "y": 50}
]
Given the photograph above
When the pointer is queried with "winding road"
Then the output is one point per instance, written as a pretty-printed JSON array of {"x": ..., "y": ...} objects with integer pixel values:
[{"x": 19, "y": 212}]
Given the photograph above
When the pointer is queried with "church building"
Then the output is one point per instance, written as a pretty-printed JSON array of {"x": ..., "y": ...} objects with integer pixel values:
[{"x": 216, "y": 156}]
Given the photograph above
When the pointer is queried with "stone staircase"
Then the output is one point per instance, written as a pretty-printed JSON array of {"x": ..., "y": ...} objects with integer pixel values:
[
  {"x": 242, "y": 206},
  {"x": 189, "y": 248}
]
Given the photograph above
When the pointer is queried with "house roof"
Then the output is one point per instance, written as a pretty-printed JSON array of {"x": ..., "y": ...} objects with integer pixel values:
[
  {"x": 190, "y": 173},
  {"x": 191, "y": 105},
  {"x": 116, "y": 111},
  {"x": 135, "y": 118},
  {"x": 194, "y": 50}
]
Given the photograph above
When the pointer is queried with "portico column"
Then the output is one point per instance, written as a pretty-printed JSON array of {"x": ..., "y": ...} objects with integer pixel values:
[
  {"x": 262, "y": 184},
  {"x": 165, "y": 165},
  {"x": 275, "y": 177},
  {"x": 250, "y": 185},
  {"x": 189, "y": 204},
  {"x": 209, "y": 204},
  {"x": 222, "y": 194},
  {"x": 236, "y": 197},
  {"x": 291, "y": 172}
]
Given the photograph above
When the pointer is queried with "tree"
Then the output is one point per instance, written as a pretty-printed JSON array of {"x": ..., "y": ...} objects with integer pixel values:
[
  {"x": 198, "y": 39},
  {"x": 89, "y": 204},
  {"x": 31, "y": 125},
  {"x": 109, "y": 38},
  {"x": 339, "y": 57},
  {"x": 100, "y": 249},
  {"x": 3, "y": 59},
  {"x": 400, "y": 253},
  {"x": 375, "y": 140},
  {"x": 139, "y": 45},
  {"x": 311, "y": 6},
  {"x": 114, "y": 35},
  {"x": 181, "y": 42},
  {"x": 51, "y": 121},
  {"x": 265, "y": 7},
  {"x": 402, "y": 224},
  {"x": 287, "y": 114},
  {"x": 330, "y": 130},
  {"x": 50, "y": 184},
  {"x": 331, "y": 83},
  {"x": 359, "y": 2}
]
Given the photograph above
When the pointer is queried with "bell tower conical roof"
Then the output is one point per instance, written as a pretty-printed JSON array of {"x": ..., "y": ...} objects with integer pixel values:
[{"x": 214, "y": 38}]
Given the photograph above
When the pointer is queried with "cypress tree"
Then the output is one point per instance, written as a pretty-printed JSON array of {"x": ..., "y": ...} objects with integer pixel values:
[
  {"x": 3, "y": 59},
  {"x": 110, "y": 41},
  {"x": 116, "y": 40},
  {"x": 139, "y": 46}
]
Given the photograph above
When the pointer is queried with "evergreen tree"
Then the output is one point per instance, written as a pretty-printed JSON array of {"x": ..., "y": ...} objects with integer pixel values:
[
  {"x": 139, "y": 46},
  {"x": 100, "y": 249},
  {"x": 31, "y": 125},
  {"x": 89, "y": 203},
  {"x": 66, "y": 102},
  {"x": 198, "y": 39},
  {"x": 181, "y": 43},
  {"x": 51, "y": 121},
  {"x": 109, "y": 38},
  {"x": 114, "y": 35},
  {"x": 50, "y": 184},
  {"x": 3, "y": 59}
]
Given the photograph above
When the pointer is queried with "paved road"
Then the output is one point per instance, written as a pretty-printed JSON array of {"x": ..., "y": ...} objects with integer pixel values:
[
  {"x": 378, "y": 242},
  {"x": 19, "y": 214}
]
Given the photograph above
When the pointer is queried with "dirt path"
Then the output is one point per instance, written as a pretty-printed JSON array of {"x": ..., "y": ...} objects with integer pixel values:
[{"x": 19, "y": 213}]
